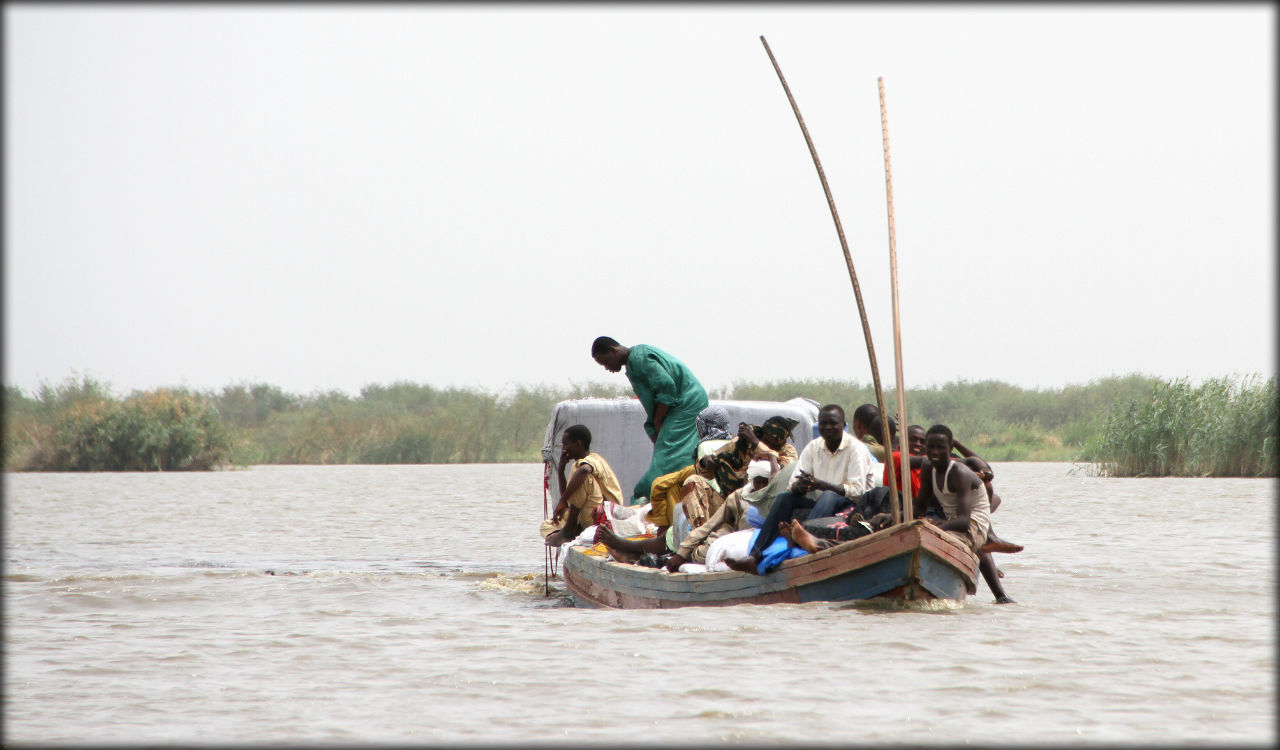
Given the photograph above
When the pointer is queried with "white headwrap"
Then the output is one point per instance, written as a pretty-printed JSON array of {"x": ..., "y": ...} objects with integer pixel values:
[{"x": 759, "y": 469}]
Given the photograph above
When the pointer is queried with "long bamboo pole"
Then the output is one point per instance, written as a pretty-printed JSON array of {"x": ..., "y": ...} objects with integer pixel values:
[
  {"x": 897, "y": 321},
  {"x": 853, "y": 277}
]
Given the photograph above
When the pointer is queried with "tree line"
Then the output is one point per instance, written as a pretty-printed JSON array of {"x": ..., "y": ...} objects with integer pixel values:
[{"x": 1130, "y": 425}]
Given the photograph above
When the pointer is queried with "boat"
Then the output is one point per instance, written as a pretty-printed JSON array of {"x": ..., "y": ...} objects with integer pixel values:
[{"x": 912, "y": 561}]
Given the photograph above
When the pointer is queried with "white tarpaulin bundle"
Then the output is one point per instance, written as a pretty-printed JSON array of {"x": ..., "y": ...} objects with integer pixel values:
[{"x": 617, "y": 431}]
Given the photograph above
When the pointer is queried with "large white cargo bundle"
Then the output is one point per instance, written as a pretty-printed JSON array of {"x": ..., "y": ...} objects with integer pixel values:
[{"x": 617, "y": 430}]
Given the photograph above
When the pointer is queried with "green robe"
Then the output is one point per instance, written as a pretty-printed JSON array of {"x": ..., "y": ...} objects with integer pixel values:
[{"x": 659, "y": 378}]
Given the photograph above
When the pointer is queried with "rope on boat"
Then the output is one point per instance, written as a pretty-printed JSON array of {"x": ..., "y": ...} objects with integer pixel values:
[{"x": 547, "y": 563}]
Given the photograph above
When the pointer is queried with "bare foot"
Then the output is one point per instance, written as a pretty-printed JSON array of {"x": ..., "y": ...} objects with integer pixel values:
[
  {"x": 1000, "y": 545},
  {"x": 797, "y": 534},
  {"x": 742, "y": 564},
  {"x": 1004, "y": 599}
]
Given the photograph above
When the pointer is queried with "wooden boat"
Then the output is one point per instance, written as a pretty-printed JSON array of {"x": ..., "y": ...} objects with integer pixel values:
[{"x": 911, "y": 561}]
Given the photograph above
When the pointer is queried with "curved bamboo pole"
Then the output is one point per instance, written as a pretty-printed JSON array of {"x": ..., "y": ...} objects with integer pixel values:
[
  {"x": 897, "y": 323},
  {"x": 898, "y": 515}
]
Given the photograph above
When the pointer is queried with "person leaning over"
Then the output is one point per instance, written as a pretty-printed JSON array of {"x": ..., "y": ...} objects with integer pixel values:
[{"x": 671, "y": 396}]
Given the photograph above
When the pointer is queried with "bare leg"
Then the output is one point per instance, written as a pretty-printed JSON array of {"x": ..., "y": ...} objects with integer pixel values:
[
  {"x": 988, "y": 569},
  {"x": 631, "y": 548}
]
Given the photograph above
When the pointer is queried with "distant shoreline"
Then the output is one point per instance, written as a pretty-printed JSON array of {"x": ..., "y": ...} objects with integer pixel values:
[{"x": 1132, "y": 425}]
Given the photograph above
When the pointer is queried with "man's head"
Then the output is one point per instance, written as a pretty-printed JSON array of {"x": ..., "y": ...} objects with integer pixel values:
[
  {"x": 774, "y": 431},
  {"x": 608, "y": 353},
  {"x": 876, "y": 428},
  {"x": 831, "y": 423},
  {"x": 576, "y": 440},
  {"x": 862, "y": 417},
  {"x": 758, "y": 474},
  {"x": 937, "y": 445},
  {"x": 915, "y": 440}
]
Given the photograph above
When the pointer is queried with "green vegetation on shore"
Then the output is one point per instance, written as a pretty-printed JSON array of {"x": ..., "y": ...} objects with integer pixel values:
[{"x": 1222, "y": 428}]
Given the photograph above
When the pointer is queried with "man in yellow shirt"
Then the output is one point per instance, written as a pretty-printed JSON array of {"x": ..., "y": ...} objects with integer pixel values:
[{"x": 591, "y": 483}]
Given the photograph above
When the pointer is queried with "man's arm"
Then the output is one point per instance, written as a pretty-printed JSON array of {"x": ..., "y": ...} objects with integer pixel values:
[
  {"x": 920, "y": 503},
  {"x": 961, "y": 448},
  {"x": 647, "y": 371},
  {"x": 857, "y": 479},
  {"x": 804, "y": 467},
  {"x": 659, "y": 416},
  {"x": 694, "y": 538},
  {"x": 567, "y": 490}
]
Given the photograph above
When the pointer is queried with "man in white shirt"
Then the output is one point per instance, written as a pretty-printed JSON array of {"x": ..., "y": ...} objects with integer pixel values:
[{"x": 830, "y": 473}]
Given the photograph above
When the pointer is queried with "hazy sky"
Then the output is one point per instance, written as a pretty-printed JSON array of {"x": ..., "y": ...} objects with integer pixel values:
[{"x": 323, "y": 197}]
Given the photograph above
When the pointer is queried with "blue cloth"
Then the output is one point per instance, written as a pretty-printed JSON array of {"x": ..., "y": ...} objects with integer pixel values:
[
  {"x": 754, "y": 518},
  {"x": 776, "y": 553}
]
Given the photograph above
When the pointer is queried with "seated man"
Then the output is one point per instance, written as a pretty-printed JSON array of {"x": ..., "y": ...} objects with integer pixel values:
[
  {"x": 669, "y": 489},
  {"x": 963, "y": 499},
  {"x": 713, "y": 430},
  {"x": 861, "y": 426},
  {"x": 830, "y": 472},
  {"x": 591, "y": 483},
  {"x": 731, "y": 516},
  {"x": 752, "y": 442}
]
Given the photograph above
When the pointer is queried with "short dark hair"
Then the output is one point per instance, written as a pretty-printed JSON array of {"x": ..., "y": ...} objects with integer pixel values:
[
  {"x": 866, "y": 413},
  {"x": 603, "y": 344},
  {"x": 580, "y": 433},
  {"x": 876, "y": 423},
  {"x": 940, "y": 429},
  {"x": 833, "y": 407}
]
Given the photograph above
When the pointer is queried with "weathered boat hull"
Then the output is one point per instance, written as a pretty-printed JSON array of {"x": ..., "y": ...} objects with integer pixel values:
[{"x": 912, "y": 561}]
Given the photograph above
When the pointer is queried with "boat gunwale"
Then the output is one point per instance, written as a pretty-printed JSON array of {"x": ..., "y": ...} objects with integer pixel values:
[{"x": 789, "y": 576}]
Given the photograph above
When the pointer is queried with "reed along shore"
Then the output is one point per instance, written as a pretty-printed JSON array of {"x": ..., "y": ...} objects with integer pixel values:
[{"x": 1131, "y": 425}]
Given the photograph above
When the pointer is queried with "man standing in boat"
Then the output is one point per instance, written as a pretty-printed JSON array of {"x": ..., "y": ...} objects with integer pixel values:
[{"x": 671, "y": 396}]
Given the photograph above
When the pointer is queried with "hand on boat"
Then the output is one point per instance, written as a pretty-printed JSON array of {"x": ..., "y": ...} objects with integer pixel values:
[{"x": 674, "y": 562}]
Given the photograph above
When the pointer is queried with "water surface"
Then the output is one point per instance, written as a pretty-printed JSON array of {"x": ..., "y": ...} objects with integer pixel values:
[{"x": 367, "y": 604}]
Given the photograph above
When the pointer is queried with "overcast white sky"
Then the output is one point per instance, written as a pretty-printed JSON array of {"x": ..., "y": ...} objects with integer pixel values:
[{"x": 323, "y": 197}]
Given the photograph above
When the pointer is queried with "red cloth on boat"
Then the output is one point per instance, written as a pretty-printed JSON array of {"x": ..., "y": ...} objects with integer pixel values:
[{"x": 897, "y": 473}]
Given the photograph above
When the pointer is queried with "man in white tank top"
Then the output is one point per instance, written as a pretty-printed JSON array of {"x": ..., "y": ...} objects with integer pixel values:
[{"x": 957, "y": 489}]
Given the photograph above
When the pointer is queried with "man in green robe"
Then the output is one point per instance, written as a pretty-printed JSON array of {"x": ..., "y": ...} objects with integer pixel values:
[{"x": 671, "y": 397}]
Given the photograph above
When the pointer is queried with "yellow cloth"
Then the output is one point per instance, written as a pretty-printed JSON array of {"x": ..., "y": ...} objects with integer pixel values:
[
  {"x": 665, "y": 493},
  {"x": 600, "y": 484}
]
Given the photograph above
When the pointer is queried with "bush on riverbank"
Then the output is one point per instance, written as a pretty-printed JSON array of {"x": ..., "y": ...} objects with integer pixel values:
[
  {"x": 1222, "y": 428},
  {"x": 79, "y": 427}
]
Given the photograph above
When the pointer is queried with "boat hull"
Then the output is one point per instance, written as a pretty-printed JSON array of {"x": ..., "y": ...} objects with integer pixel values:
[{"x": 912, "y": 561}]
